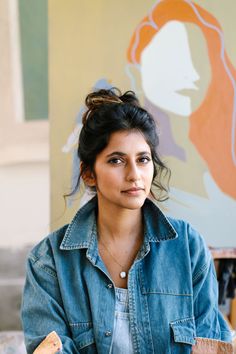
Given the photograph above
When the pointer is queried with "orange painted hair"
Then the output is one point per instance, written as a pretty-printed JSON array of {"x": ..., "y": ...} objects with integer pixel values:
[{"x": 212, "y": 125}]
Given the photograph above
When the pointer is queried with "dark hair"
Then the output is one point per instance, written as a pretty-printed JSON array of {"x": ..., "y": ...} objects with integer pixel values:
[{"x": 109, "y": 111}]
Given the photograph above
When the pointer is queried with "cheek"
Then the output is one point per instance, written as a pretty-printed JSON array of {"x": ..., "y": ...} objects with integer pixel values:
[
  {"x": 150, "y": 174},
  {"x": 150, "y": 181},
  {"x": 107, "y": 177}
]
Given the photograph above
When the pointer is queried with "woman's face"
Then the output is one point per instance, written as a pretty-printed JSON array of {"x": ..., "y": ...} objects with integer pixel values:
[
  {"x": 167, "y": 71},
  {"x": 124, "y": 171}
]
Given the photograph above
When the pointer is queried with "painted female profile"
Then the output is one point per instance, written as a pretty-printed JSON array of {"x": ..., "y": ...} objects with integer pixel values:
[{"x": 159, "y": 49}]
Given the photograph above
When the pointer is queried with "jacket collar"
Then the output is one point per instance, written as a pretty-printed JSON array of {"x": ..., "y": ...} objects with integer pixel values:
[{"x": 82, "y": 230}]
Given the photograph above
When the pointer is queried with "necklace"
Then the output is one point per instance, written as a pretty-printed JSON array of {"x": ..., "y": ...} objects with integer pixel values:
[{"x": 122, "y": 274}]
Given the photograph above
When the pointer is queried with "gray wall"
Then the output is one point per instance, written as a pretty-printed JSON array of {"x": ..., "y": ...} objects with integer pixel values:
[{"x": 12, "y": 277}]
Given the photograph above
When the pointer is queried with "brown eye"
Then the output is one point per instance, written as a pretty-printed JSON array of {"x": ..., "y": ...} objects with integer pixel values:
[
  {"x": 144, "y": 159},
  {"x": 115, "y": 161}
]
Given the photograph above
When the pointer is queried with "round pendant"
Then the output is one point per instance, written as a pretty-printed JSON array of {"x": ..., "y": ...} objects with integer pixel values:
[{"x": 123, "y": 275}]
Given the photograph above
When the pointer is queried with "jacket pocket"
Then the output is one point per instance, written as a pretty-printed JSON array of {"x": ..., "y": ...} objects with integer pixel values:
[
  {"x": 183, "y": 333},
  {"x": 83, "y": 337}
]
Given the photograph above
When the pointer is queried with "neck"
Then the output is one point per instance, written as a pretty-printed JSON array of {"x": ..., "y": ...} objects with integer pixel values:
[{"x": 119, "y": 225}]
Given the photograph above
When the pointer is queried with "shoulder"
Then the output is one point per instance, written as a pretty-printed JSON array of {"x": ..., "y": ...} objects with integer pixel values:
[
  {"x": 53, "y": 240},
  {"x": 43, "y": 254},
  {"x": 200, "y": 256}
]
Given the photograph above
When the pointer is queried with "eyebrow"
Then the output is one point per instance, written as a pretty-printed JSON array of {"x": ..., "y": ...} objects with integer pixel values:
[{"x": 119, "y": 153}]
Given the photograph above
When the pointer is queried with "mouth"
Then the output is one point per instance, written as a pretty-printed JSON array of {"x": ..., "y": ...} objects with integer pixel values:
[
  {"x": 188, "y": 89},
  {"x": 133, "y": 191}
]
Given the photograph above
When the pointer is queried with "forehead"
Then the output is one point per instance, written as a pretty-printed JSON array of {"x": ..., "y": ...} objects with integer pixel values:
[{"x": 127, "y": 141}]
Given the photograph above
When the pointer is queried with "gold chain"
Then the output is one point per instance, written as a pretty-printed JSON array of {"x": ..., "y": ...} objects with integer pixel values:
[{"x": 122, "y": 267}]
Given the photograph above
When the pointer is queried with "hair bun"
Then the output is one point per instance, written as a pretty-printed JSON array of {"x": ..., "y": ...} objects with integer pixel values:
[
  {"x": 130, "y": 97},
  {"x": 98, "y": 98}
]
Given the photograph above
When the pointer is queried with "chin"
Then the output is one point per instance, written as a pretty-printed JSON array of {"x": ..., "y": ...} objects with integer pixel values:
[{"x": 134, "y": 204}]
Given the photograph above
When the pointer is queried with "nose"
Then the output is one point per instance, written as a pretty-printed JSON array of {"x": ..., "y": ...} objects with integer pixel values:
[{"x": 132, "y": 173}]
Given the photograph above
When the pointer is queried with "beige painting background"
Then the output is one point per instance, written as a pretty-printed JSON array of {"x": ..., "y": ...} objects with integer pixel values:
[{"x": 88, "y": 41}]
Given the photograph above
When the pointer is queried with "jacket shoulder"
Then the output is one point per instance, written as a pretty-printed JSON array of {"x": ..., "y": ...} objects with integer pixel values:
[
  {"x": 54, "y": 239},
  {"x": 43, "y": 254},
  {"x": 199, "y": 253}
]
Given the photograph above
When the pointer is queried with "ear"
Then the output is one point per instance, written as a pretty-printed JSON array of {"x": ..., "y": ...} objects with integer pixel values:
[{"x": 88, "y": 177}]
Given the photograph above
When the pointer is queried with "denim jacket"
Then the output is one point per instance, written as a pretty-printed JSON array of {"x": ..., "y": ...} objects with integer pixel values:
[{"x": 172, "y": 289}]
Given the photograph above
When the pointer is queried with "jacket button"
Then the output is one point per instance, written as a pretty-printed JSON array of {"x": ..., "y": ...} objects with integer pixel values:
[
  {"x": 109, "y": 286},
  {"x": 108, "y": 333}
]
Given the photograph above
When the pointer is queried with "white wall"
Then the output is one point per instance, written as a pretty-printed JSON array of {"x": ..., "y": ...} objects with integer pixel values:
[{"x": 24, "y": 206}]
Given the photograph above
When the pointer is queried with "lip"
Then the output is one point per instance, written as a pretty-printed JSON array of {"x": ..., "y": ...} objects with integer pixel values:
[
  {"x": 133, "y": 191},
  {"x": 188, "y": 88}
]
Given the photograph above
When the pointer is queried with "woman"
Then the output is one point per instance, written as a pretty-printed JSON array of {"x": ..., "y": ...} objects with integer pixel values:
[
  {"x": 198, "y": 141},
  {"x": 121, "y": 277}
]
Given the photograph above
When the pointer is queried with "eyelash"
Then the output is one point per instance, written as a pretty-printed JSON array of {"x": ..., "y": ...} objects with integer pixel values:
[
  {"x": 147, "y": 158},
  {"x": 114, "y": 160}
]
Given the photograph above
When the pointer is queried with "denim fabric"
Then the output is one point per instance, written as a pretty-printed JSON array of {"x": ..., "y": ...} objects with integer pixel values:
[
  {"x": 172, "y": 289},
  {"x": 121, "y": 340}
]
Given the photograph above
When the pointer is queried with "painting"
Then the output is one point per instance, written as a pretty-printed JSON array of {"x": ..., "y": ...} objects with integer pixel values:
[
  {"x": 179, "y": 57},
  {"x": 195, "y": 111}
]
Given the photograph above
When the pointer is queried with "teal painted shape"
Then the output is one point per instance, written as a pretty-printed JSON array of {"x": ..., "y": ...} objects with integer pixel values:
[{"x": 33, "y": 19}]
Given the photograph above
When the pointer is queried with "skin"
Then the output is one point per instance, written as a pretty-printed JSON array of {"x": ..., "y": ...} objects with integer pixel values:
[{"x": 123, "y": 178}]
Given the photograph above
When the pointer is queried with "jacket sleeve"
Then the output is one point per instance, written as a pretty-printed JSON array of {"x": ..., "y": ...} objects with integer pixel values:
[
  {"x": 208, "y": 319},
  {"x": 42, "y": 309}
]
